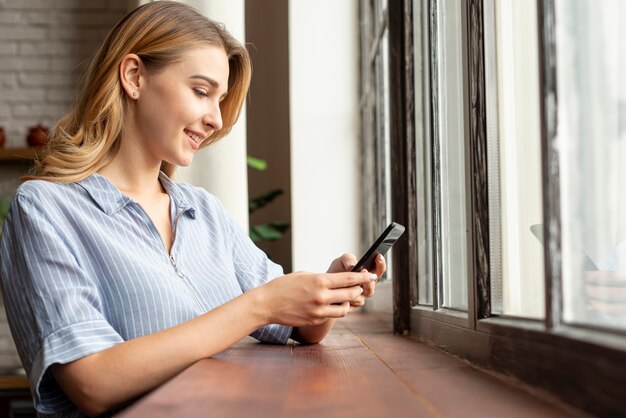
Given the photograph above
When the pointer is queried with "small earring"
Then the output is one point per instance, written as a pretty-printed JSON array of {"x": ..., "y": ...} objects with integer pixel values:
[{"x": 134, "y": 94}]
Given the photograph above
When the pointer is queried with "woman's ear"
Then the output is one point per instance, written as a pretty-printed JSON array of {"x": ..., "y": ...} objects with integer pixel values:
[{"x": 131, "y": 73}]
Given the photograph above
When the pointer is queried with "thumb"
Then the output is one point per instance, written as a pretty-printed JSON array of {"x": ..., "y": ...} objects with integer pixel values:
[{"x": 348, "y": 261}]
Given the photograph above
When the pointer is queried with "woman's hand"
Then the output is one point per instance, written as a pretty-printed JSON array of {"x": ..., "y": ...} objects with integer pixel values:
[
  {"x": 347, "y": 262},
  {"x": 307, "y": 299}
]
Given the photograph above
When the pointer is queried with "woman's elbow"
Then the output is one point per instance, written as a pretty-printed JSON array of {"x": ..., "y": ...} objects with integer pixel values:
[
  {"x": 92, "y": 410},
  {"x": 89, "y": 400},
  {"x": 305, "y": 336},
  {"x": 82, "y": 388}
]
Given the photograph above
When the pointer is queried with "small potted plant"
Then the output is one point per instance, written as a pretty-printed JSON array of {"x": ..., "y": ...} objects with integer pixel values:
[{"x": 271, "y": 231}]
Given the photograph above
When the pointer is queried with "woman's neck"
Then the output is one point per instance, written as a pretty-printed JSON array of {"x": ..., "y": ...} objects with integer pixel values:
[{"x": 133, "y": 172}]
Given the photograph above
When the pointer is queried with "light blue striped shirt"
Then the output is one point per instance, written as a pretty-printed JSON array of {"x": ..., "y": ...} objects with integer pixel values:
[{"x": 83, "y": 268}]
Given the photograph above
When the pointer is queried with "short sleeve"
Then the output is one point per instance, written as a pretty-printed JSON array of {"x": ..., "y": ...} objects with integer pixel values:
[
  {"x": 253, "y": 268},
  {"x": 54, "y": 310}
]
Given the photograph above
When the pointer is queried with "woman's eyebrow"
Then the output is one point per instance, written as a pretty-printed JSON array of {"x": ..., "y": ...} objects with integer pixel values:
[{"x": 209, "y": 80}]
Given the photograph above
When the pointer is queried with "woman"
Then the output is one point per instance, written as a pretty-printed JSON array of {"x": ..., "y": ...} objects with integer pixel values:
[{"x": 116, "y": 278}]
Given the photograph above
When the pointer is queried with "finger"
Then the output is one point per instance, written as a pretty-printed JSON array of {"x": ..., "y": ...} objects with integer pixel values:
[
  {"x": 368, "y": 288},
  {"x": 337, "y": 311},
  {"x": 344, "y": 294},
  {"x": 380, "y": 266},
  {"x": 348, "y": 279},
  {"x": 348, "y": 261},
  {"x": 373, "y": 281},
  {"x": 358, "y": 302}
]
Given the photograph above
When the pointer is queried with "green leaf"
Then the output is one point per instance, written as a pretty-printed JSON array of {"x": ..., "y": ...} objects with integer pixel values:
[
  {"x": 256, "y": 163},
  {"x": 265, "y": 232},
  {"x": 263, "y": 200},
  {"x": 280, "y": 226},
  {"x": 254, "y": 236},
  {"x": 268, "y": 232},
  {"x": 5, "y": 205}
]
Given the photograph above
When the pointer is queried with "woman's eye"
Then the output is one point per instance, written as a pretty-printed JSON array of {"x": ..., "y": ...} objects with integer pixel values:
[{"x": 200, "y": 93}]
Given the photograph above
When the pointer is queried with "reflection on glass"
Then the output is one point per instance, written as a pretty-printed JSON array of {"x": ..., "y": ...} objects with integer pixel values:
[
  {"x": 512, "y": 74},
  {"x": 452, "y": 154},
  {"x": 591, "y": 59}
]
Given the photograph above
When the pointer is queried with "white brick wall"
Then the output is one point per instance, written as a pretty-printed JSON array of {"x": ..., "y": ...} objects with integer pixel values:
[{"x": 43, "y": 47}]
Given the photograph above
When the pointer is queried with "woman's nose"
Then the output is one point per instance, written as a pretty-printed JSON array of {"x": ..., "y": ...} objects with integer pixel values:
[{"x": 213, "y": 118}]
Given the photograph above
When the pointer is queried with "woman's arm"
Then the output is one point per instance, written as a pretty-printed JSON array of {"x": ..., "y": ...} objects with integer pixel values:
[{"x": 100, "y": 381}]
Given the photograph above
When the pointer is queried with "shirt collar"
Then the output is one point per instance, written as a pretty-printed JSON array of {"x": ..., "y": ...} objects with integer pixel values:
[
  {"x": 110, "y": 200},
  {"x": 176, "y": 194}
]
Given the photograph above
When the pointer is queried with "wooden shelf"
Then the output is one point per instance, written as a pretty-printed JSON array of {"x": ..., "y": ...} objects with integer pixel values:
[
  {"x": 13, "y": 382},
  {"x": 18, "y": 154}
]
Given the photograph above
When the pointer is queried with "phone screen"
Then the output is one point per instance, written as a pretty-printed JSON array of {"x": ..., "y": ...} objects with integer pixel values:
[{"x": 384, "y": 242}]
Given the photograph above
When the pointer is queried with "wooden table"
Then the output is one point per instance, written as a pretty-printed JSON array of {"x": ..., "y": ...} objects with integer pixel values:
[{"x": 359, "y": 370}]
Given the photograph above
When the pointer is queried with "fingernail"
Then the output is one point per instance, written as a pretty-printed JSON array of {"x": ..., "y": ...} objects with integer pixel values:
[
  {"x": 373, "y": 276},
  {"x": 362, "y": 290},
  {"x": 380, "y": 257}
]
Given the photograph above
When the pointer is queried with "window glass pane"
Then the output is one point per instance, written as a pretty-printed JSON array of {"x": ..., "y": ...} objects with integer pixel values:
[
  {"x": 452, "y": 154},
  {"x": 384, "y": 47},
  {"x": 512, "y": 75},
  {"x": 591, "y": 91},
  {"x": 423, "y": 181},
  {"x": 383, "y": 142},
  {"x": 379, "y": 7}
]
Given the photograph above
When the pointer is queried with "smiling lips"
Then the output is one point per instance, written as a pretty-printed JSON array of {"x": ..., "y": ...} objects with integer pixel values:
[{"x": 196, "y": 138}]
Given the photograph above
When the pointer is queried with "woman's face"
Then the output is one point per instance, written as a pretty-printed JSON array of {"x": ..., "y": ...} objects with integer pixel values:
[{"x": 178, "y": 108}]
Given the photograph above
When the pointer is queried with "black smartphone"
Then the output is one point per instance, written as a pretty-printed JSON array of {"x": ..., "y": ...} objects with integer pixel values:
[{"x": 384, "y": 242}]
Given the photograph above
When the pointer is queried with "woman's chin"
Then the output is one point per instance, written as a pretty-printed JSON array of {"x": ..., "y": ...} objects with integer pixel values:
[
  {"x": 186, "y": 162},
  {"x": 181, "y": 161}
]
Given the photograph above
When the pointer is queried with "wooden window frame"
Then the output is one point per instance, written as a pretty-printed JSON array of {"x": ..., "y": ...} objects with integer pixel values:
[
  {"x": 373, "y": 24},
  {"x": 546, "y": 354}
]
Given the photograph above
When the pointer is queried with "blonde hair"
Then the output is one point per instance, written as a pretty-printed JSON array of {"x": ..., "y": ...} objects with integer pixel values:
[{"x": 160, "y": 33}]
